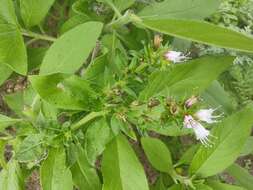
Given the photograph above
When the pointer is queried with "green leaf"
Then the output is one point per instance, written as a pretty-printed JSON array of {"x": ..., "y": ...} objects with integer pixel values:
[
  {"x": 7, "y": 121},
  {"x": 159, "y": 185},
  {"x": 203, "y": 187},
  {"x": 10, "y": 178},
  {"x": 216, "y": 96},
  {"x": 84, "y": 176},
  {"x": 11, "y": 41},
  {"x": 65, "y": 92},
  {"x": 248, "y": 147},
  {"x": 35, "y": 57},
  {"x": 181, "y": 9},
  {"x": 19, "y": 101},
  {"x": 121, "y": 168},
  {"x": 158, "y": 154},
  {"x": 5, "y": 72},
  {"x": 34, "y": 11},
  {"x": 54, "y": 174},
  {"x": 231, "y": 136},
  {"x": 70, "y": 51},
  {"x": 96, "y": 138},
  {"x": 73, "y": 22},
  {"x": 169, "y": 129},
  {"x": 120, "y": 4},
  {"x": 187, "y": 157},
  {"x": 189, "y": 78},
  {"x": 176, "y": 187},
  {"x": 117, "y": 125},
  {"x": 242, "y": 176},
  {"x": 222, "y": 186},
  {"x": 2, "y": 152},
  {"x": 30, "y": 148},
  {"x": 96, "y": 71},
  {"x": 202, "y": 32}
]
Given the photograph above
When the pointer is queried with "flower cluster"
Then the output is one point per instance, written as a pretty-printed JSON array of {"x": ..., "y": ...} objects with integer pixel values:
[
  {"x": 194, "y": 122},
  {"x": 175, "y": 56}
]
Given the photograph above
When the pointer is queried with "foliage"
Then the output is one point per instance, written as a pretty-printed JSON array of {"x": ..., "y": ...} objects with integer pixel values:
[{"x": 107, "y": 88}]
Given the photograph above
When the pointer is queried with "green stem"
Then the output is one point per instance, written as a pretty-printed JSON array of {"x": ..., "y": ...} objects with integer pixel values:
[
  {"x": 123, "y": 20},
  {"x": 31, "y": 41},
  {"x": 114, "y": 8},
  {"x": 87, "y": 118},
  {"x": 37, "y": 36}
]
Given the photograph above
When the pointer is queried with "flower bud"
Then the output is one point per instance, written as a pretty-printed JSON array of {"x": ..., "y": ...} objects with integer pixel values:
[
  {"x": 191, "y": 101},
  {"x": 157, "y": 41}
]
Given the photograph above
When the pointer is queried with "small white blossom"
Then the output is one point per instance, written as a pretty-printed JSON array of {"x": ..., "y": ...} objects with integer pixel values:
[
  {"x": 175, "y": 56},
  {"x": 207, "y": 116},
  {"x": 200, "y": 132},
  {"x": 60, "y": 86}
]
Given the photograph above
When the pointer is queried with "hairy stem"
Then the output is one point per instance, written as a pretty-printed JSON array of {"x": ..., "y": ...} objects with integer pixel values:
[
  {"x": 37, "y": 36},
  {"x": 87, "y": 118}
]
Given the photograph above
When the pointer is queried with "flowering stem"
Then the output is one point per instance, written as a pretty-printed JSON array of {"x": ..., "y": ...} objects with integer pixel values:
[
  {"x": 181, "y": 179},
  {"x": 37, "y": 36},
  {"x": 87, "y": 118}
]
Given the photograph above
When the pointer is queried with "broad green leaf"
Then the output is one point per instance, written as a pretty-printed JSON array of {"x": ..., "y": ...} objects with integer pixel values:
[
  {"x": 120, "y": 4},
  {"x": 10, "y": 178},
  {"x": 96, "y": 138},
  {"x": 176, "y": 187},
  {"x": 222, "y": 186},
  {"x": 30, "y": 149},
  {"x": 203, "y": 187},
  {"x": 65, "y": 92},
  {"x": 242, "y": 176},
  {"x": 84, "y": 175},
  {"x": 187, "y": 78},
  {"x": 11, "y": 41},
  {"x": 158, "y": 154},
  {"x": 183, "y": 9},
  {"x": 202, "y": 32},
  {"x": 69, "y": 52},
  {"x": 121, "y": 168},
  {"x": 54, "y": 174},
  {"x": 7, "y": 121},
  {"x": 231, "y": 136},
  {"x": 5, "y": 72},
  {"x": 216, "y": 96},
  {"x": 248, "y": 147},
  {"x": 34, "y": 11}
]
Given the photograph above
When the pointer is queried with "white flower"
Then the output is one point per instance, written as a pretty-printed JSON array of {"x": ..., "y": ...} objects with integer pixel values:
[
  {"x": 207, "y": 116},
  {"x": 200, "y": 132},
  {"x": 175, "y": 56}
]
